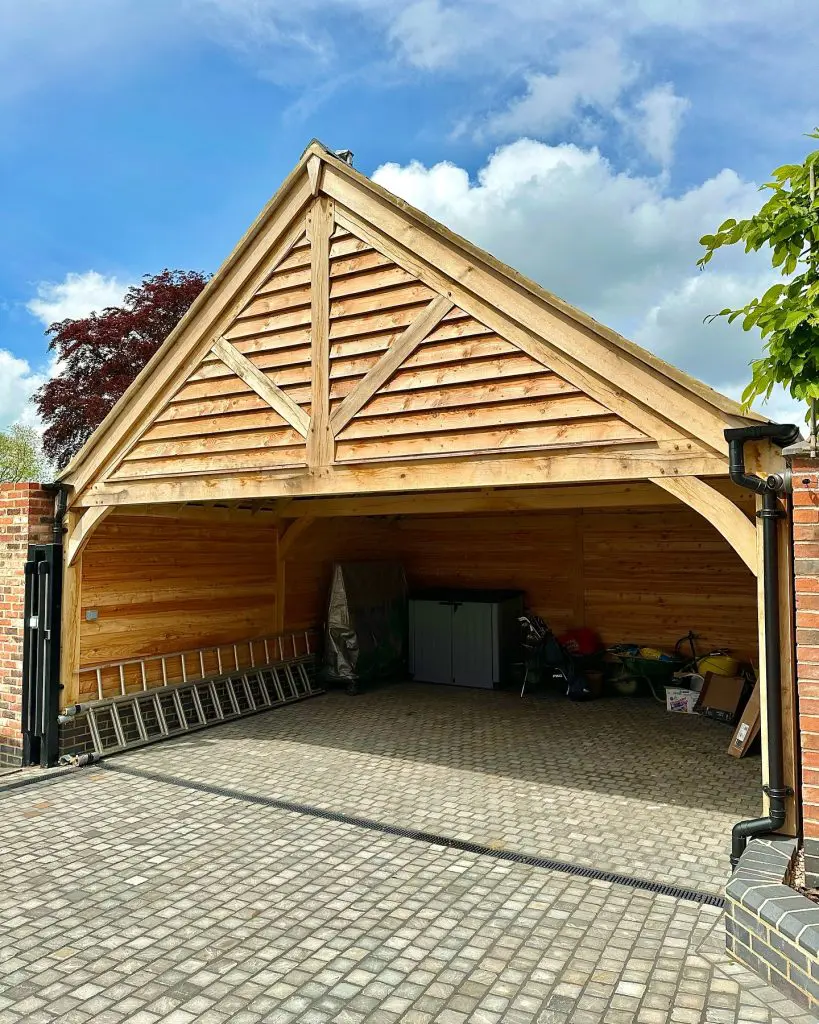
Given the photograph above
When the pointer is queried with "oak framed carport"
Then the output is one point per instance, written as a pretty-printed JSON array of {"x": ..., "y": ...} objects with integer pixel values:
[{"x": 356, "y": 376}]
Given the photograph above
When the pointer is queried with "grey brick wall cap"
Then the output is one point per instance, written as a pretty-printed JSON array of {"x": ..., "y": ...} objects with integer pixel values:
[
  {"x": 776, "y": 904},
  {"x": 762, "y": 893}
]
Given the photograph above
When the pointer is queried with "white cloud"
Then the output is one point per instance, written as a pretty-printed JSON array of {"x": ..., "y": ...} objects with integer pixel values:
[
  {"x": 75, "y": 296},
  {"x": 614, "y": 244},
  {"x": 437, "y": 34},
  {"x": 656, "y": 122},
  {"x": 430, "y": 35},
  {"x": 592, "y": 78},
  {"x": 46, "y": 38},
  {"x": 18, "y": 382}
]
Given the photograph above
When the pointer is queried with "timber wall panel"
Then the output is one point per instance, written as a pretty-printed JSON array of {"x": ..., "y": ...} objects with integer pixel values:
[
  {"x": 645, "y": 576},
  {"x": 163, "y": 585},
  {"x": 308, "y": 567},
  {"x": 532, "y": 552},
  {"x": 464, "y": 388},
  {"x": 650, "y": 576}
]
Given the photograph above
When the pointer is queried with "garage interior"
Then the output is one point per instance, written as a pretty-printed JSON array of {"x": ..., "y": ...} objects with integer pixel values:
[
  {"x": 619, "y": 782},
  {"x": 359, "y": 384}
]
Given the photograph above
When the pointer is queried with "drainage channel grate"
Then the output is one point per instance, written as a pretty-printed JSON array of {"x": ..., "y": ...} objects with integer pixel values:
[{"x": 430, "y": 838}]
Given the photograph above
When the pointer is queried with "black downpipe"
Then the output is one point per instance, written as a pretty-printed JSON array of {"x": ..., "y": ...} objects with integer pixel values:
[
  {"x": 60, "y": 503},
  {"x": 770, "y": 488}
]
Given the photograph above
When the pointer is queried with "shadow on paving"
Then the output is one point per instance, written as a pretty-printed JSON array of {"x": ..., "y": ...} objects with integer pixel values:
[{"x": 619, "y": 746}]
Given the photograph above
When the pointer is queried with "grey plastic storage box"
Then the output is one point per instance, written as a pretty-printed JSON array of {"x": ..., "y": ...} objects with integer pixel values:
[{"x": 464, "y": 637}]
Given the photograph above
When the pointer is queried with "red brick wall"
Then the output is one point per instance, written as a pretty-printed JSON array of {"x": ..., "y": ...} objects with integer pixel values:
[
  {"x": 26, "y": 512},
  {"x": 806, "y": 583}
]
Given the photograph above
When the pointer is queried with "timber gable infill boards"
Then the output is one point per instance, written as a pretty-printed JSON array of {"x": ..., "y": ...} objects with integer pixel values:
[{"x": 408, "y": 355}]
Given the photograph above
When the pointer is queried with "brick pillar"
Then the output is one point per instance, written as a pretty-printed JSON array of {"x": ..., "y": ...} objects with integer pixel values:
[
  {"x": 26, "y": 514},
  {"x": 806, "y": 584}
]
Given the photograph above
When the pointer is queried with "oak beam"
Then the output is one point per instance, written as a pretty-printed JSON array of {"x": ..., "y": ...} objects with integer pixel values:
[
  {"x": 70, "y": 619},
  {"x": 82, "y": 530},
  {"x": 721, "y": 513},
  {"x": 197, "y": 513},
  {"x": 426, "y": 321},
  {"x": 262, "y": 385},
  {"x": 288, "y": 537},
  {"x": 320, "y": 226},
  {"x": 618, "y": 462}
]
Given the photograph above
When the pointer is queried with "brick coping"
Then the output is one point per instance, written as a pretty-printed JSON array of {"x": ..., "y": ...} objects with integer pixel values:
[{"x": 769, "y": 927}]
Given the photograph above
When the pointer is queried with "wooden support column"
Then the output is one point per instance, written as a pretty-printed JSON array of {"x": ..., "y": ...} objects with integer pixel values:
[
  {"x": 286, "y": 538},
  {"x": 71, "y": 614},
  {"x": 578, "y": 567},
  {"x": 320, "y": 224},
  {"x": 281, "y": 582}
]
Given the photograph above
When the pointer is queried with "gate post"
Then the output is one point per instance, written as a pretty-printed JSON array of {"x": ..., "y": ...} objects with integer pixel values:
[{"x": 26, "y": 513}]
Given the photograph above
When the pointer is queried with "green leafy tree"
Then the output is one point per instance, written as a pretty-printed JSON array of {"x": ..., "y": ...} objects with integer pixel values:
[
  {"x": 21, "y": 456},
  {"x": 787, "y": 315}
]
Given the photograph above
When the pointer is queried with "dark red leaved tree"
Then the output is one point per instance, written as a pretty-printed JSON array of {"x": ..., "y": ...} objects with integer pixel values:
[{"x": 101, "y": 354}]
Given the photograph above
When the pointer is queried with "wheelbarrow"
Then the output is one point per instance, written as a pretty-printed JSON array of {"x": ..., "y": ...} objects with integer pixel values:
[{"x": 654, "y": 674}]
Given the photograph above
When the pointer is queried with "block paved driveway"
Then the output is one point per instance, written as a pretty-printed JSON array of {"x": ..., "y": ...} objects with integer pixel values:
[
  {"x": 616, "y": 784},
  {"x": 138, "y": 899}
]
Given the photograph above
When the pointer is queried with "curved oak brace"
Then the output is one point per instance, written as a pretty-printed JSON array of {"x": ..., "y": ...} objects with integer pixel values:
[
  {"x": 81, "y": 533},
  {"x": 292, "y": 534},
  {"x": 721, "y": 513},
  {"x": 287, "y": 538}
]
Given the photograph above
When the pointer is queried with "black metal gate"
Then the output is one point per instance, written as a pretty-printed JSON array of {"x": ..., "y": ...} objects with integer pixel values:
[{"x": 41, "y": 654}]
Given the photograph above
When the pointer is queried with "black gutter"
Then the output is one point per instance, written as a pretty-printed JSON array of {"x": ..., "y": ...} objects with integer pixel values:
[{"x": 771, "y": 489}]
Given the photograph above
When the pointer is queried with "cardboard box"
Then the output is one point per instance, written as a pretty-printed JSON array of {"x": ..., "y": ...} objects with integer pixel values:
[
  {"x": 681, "y": 700},
  {"x": 748, "y": 726},
  {"x": 720, "y": 697}
]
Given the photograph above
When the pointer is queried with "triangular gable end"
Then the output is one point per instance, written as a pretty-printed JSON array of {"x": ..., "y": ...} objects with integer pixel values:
[
  {"x": 445, "y": 383},
  {"x": 357, "y": 331},
  {"x": 246, "y": 404}
]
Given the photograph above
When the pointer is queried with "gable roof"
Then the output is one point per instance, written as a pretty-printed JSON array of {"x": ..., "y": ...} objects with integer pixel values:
[{"x": 631, "y": 381}]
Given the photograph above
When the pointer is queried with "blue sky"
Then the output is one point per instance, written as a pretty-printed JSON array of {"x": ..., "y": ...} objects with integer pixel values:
[{"x": 587, "y": 143}]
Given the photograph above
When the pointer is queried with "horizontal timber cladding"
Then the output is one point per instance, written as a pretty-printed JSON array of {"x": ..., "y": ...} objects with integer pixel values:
[
  {"x": 663, "y": 570},
  {"x": 215, "y": 419},
  {"x": 308, "y": 567},
  {"x": 461, "y": 389},
  {"x": 164, "y": 585},
  {"x": 644, "y": 575}
]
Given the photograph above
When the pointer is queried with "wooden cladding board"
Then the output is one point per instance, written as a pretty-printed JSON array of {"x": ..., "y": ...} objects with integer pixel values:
[
  {"x": 652, "y": 576},
  {"x": 464, "y": 389},
  {"x": 164, "y": 585},
  {"x": 308, "y": 567},
  {"x": 646, "y": 576},
  {"x": 215, "y": 420}
]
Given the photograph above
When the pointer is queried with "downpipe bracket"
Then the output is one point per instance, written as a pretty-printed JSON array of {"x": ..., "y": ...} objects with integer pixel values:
[
  {"x": 771, "y": 513},
  {"x": 778, "y": 792}
]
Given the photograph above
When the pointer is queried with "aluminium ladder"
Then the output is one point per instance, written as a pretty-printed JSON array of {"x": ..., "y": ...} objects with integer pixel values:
[{"x": 146, "y": 716}]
